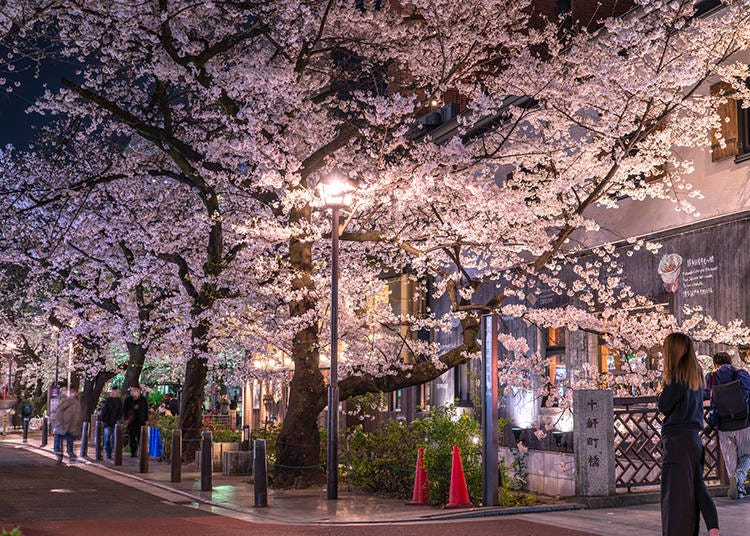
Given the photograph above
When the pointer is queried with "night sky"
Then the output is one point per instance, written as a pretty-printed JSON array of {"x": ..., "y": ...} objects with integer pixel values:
[{"x": 16, "y": 126}]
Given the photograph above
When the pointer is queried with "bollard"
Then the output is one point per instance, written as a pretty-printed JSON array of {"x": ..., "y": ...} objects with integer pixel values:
[
  {"x": 176, "y": 455},
  {"x": 45, "y": 431},
  {"x": 207, "y": 462},
  {"x": 25, "y": 426},
  {"x": 85, "y": 439},
  {"x": 260, "y": 477},
  {"x": 118, "y": 444},
  {"x": 143, "y": 448},
  {"x": 99, "y": 441}
]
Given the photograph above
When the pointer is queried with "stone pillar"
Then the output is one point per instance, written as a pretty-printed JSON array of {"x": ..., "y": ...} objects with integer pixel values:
[{"x": 594, "y": 442}]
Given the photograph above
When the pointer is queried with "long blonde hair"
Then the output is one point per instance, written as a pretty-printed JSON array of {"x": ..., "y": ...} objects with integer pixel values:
[{"x": 680, "y": 363}]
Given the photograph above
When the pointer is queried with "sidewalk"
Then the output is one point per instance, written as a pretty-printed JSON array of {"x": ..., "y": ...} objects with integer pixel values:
[
  {"x": 232, "y": 496},
  {"x": 308, "y": 506}
]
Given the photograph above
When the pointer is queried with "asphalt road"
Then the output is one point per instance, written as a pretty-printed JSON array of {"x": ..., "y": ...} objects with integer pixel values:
[{"x": 43, "y": 498}]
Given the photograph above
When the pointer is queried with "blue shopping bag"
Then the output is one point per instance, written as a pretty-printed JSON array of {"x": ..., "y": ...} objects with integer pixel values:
[{"x": 155, "y": 449}]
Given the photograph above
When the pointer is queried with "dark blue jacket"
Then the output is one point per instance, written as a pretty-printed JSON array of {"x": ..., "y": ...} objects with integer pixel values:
[
  {"x": 111, "y": 411},
  {"x": 682, "y": 409}
]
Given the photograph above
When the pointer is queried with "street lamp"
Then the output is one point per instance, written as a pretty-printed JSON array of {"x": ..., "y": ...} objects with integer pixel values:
[{"x": 336, "y": 190}]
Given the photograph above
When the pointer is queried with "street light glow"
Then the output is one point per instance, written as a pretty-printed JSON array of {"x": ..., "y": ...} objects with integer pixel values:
[{"x": 336, "y": 190}]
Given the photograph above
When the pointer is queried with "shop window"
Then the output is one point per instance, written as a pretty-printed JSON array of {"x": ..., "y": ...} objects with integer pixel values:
[
  {"x": 555, "y": 353},
  {"x": 609, "y": 360},
  {"x": 396, "y": 400},
  {"x": 555, "y": 338},
  {"x": 558, "y": 371}
]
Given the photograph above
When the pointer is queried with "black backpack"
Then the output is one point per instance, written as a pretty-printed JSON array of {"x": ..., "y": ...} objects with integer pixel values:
[{"x": 730, "y": 406}]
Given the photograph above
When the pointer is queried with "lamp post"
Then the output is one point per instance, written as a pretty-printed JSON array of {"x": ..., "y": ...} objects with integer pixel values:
[
  {"x": 336, "y": 190},
  {"x": 10, "y": 347}
]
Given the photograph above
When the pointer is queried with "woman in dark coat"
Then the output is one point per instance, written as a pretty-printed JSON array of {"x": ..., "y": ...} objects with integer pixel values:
[{"x": 683, "y": 492}]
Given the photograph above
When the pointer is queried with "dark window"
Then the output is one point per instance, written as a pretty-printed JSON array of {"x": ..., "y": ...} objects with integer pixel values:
[
  {"x": 743, "y": 126},
  {"x": 704, "y": 6}
]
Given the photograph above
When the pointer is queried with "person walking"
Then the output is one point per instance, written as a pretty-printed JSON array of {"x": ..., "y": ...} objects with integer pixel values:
[
  {"x": 732, "y": 424},
  {"x": 135, "y": 410},
  {"x": 66, "y": 424},
  {"x": 683, "y": 492},
  {"x": 110, "y": 414}
]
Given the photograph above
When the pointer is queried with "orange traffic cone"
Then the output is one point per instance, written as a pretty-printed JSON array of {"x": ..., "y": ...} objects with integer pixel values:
[
  {"x": 421, "y": 493},
  {"x": 458, "y": 496}
]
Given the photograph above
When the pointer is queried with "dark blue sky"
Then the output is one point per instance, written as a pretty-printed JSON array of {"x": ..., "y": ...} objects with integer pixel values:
[{"x": 16, "y": 126}]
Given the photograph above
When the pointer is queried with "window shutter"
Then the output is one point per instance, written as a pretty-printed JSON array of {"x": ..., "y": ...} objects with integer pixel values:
[{"x": 729, "y": 124}]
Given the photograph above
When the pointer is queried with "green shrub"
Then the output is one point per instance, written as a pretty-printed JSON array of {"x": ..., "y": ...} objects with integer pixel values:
[
  {"x": 155, "y": 398},
  {"x": 384, "y": 460},
  {"x": 14, "y": 532},
  {"x": 222, "y": 434},
  {"x": 269, "y": 432},
  {"x": 443, "y": 429},
  {"x": 510, "y": 485}
]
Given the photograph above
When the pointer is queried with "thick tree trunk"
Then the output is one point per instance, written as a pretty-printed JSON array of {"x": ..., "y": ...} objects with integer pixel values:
[
  {"x": 298, "y": 444},
  {"x": 92, "y": 390},
  {"x": 136, "y": 358},
  {"x": 193, "y": 392}
]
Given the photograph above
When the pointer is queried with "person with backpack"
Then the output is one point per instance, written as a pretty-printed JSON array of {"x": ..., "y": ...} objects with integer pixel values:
[{"x": 728, "y": 389}]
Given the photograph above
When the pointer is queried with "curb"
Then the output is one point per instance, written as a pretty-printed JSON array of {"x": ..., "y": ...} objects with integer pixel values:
[
  {"x": 509, "y": 511},
  {"x": 469, "y": 514}
]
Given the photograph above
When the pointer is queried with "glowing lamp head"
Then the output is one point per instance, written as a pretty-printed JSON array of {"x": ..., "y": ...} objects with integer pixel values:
[{"x": 336, "y": 190}]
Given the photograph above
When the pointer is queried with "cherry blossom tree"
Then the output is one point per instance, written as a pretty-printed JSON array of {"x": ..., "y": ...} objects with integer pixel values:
[{"x": 233, "y": 112}]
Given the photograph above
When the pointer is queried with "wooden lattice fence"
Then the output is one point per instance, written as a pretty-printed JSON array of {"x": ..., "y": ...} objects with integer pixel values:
[{"x": 638, "y": 449}]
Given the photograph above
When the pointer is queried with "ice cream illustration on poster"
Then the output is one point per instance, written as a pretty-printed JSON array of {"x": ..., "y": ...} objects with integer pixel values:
[{"x": 670, "y": 267}]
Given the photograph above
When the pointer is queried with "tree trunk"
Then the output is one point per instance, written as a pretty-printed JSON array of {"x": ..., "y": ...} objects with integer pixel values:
[
  {"x": 136, "y": 358},
  {"x": 92, "y": 390},
  {"x": 193, "y": 392},
  {"x": 298, "y": 444}
]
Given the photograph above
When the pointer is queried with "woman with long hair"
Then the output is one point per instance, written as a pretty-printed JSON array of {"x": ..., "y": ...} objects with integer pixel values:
[{"x": 683, "y": 492}]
